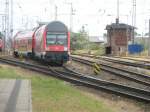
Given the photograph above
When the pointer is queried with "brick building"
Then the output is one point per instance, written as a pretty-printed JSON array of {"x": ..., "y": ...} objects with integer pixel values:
[{"x": 118, "y": 37}]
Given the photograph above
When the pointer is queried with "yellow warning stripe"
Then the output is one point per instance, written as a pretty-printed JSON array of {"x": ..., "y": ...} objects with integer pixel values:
[{"x": 96, "y": 68}]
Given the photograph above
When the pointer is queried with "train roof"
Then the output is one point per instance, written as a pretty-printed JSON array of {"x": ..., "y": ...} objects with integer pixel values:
[
  {"x": 56, "y": 26},
  {"x": 24, "y": 34}
]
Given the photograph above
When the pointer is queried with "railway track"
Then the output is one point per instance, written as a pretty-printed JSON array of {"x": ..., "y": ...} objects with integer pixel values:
[
  {"x": 130, "y": 75},
  {"x": 137, "y": 59},
  {"x": 133, "y": 63},
  {"x": 78, "y": 78}
]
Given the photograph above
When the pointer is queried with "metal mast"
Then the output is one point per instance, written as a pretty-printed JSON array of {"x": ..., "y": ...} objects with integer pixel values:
[
  {"x": 6, "y": 23},
  {"x": 149, "y": 40},
  {"x": 134, "y": 13},
  {"x": 133, "y": 18},
  {"x": 56, "y": 12},
  {"x": 118, "y": 9},
  {"x": 11, "y": 20},
  {"x": 71, "y": 17}
]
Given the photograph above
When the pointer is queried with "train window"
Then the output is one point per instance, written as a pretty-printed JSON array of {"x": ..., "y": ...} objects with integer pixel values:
[
  {"x": 61, "y": 39},
  {"x": 58, "y": 39},
  {"x": 51, "y": 39}
]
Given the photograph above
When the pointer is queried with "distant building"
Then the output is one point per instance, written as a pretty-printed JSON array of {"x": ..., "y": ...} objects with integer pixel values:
[
  {"x": 96, "y": 39},
  {"x": 42, "y": 23},
  {"x": 118, "y": 37}
]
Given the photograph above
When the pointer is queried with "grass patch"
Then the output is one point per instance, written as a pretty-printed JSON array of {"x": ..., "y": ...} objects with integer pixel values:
[{"x": 52, "y": 95}]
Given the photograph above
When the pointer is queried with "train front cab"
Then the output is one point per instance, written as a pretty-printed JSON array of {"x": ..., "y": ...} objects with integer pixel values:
[
  {"x": 56, "y": 43},
  {"x": 57, "y": 57},
  {"x": 57, "y": 47}
]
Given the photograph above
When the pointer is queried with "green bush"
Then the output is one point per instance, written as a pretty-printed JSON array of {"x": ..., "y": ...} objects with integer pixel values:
[{"x": 79, "y": 42}]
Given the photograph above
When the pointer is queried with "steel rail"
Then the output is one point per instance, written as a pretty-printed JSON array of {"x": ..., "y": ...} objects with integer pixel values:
[
  {"x": 78, "y": 78},
  {"x": 109, "y": 86},
  {"x": 130, "y": 75},
  {"x": 139, "y": 64}
]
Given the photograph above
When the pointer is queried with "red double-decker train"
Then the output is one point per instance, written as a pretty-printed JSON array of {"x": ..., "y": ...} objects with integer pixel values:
[
  {"x": 1, "y": 42},
  {"x": 49, "y": 42}
]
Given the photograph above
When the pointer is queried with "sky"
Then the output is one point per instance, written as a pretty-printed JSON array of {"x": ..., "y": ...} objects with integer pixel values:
[{"x": 94, "y": 15}]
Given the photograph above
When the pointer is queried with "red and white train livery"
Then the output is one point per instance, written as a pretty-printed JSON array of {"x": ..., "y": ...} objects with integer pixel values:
[
  {"x": 49, "y": 42},
  {"x": 1, "y": 44}
]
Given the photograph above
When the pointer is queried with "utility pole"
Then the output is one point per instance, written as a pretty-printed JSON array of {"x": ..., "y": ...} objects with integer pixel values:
[
  {"x": 3, "y": 23},
  {"x": 71, "y": 18},
  {"x": 6, "y": 23},
  {"x": 133, "y": 19},
  {"x": 149, "y": 40},
  {"x": 11, "y": 21},
  {"x": 118, "y": 4},
  {"x": 56, "y": 12},
  {"x": 134, "y": 13}
]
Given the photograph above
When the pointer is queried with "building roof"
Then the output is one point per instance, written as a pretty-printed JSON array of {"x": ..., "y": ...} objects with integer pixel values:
[
  {"x": 119, "y": 26},
  {"x": 42, "y": 23}
]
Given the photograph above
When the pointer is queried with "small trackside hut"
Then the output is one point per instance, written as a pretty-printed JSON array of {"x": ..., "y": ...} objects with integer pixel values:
[{"x": 119, "y": 35}]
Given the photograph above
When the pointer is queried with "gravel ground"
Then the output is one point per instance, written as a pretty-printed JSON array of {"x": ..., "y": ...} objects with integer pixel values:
[
  {"x": 135, "y": 69},
  {"x": 85, "y": 69},
  {"x": 118, "y": 103}
]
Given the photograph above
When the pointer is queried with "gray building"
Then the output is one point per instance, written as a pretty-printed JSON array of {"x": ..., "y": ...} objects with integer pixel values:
[{"x": 96, "y": 39}]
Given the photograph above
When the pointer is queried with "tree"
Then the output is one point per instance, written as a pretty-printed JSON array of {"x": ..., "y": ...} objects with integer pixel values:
[
  {"x": 79, "y": 40},
  {"x": 137, "y": 34},
  {"x": 104, "y": 34},
  {"x": 146, "y": 34}
]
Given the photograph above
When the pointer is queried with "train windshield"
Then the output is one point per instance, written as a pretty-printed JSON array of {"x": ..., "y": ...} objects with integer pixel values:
[{"x": 56, "y": 39}]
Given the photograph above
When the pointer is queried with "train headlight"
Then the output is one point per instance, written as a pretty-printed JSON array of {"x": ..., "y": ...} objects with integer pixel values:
[
  {"x": 43, "y": 53},
  {"x": 65, "y": 48}
]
